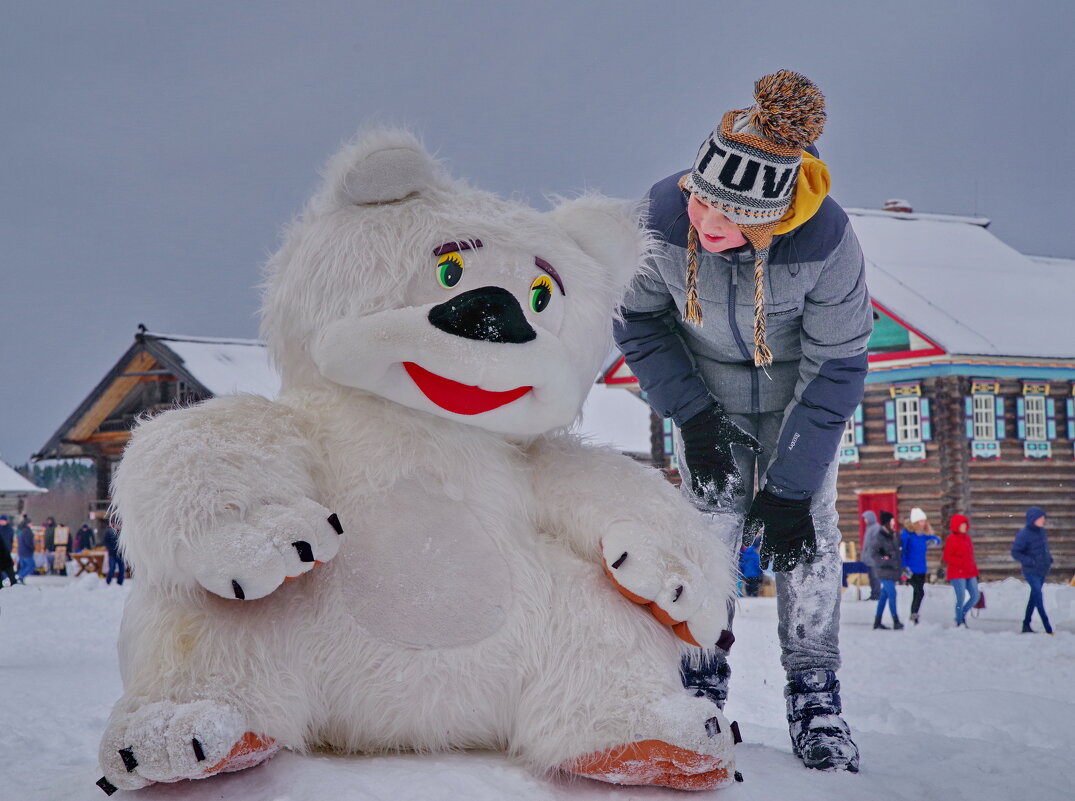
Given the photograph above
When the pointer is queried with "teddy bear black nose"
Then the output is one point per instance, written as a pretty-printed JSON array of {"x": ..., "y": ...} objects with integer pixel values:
[{"x": 489, "y": 313}]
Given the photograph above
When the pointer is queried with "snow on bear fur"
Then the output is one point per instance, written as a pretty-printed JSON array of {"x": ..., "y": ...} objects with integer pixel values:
[{"x": 409, "y": 549}]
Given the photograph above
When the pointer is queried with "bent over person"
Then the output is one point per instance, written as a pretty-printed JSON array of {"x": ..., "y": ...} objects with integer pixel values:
[{"x": 749, "y": 329}]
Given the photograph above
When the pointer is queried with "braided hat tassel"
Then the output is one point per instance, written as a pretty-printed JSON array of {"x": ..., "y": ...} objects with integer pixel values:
[
  {"x": 763, "y": 357},
  {"x": 694, "y": 308}
]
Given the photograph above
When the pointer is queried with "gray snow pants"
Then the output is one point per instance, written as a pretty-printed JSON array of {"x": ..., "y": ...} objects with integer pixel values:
[{"x": 808, "y": 597}]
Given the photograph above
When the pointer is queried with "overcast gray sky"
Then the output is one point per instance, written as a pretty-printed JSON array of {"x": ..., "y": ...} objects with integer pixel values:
[{"x": 152, "y": 151}]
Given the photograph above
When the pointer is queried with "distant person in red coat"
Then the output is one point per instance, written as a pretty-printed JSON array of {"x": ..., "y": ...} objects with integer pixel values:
[{"x": 962, "y": 569}]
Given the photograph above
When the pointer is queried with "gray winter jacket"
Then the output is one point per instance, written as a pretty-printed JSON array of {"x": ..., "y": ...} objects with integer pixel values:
[
  {"x": 885, "y": 554},
  {"x": 872, "y": 529},
  {"x": 818, "y": 321}
]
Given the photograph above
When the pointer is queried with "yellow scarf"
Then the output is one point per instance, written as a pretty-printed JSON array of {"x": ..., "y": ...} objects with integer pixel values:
[{"x": 811, "y": 187}]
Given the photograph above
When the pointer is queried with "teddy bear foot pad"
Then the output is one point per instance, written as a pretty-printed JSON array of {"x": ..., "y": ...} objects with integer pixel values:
[{"x": 652, "y": 762}]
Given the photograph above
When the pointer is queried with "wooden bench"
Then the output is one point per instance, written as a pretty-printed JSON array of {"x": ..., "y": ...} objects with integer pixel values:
[{"x": 90, "y": 561}]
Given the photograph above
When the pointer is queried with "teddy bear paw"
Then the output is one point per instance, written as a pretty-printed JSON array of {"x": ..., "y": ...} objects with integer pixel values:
[
  {"x": 167, "y": 742},
  {"x": 674, "y": 590},
  {"x": 250, "y": 557}
]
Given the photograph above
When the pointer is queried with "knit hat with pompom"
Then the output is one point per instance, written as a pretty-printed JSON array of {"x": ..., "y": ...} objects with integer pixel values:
[{"x": 747, "y": 169}]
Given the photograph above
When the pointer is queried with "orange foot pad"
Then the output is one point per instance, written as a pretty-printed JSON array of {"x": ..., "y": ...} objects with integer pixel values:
[
  {"x": 251, "y": 750},
  {"x": 652, "y": 762}
]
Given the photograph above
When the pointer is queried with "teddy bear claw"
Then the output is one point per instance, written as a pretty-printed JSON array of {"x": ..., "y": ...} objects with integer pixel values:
[
  {"x": 169, "y": 742},
  {"x": 670, "y": 589},
  {"x": 249, "y": 558}
]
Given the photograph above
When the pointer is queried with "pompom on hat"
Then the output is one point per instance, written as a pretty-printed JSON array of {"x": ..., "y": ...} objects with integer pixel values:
[{"x": 748, "y": 169}]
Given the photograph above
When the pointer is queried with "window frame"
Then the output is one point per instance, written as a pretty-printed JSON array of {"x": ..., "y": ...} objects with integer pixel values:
[
  {"x": 984, "y": 413},
  {"x": 908, "y": 419},
  {"x": 1035, "y": 418}
]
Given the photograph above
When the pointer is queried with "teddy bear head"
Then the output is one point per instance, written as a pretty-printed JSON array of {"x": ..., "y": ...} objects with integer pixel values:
[{"x": 400, "y": 281}]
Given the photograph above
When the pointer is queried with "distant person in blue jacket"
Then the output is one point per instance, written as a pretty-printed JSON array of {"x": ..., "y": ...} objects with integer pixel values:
[
  {"x": 750, "y": 568},
  {"x": 914, "y": 542},
  {"x": 1031, "y": 550},
  {"x": 26, "y": 550}
]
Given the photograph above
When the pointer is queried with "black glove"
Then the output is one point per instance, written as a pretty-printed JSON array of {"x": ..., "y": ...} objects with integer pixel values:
[
  {"x": 707, "y": 450},
  {"x": 940, "y": 574},
  {"x": 788, "y": 536}
]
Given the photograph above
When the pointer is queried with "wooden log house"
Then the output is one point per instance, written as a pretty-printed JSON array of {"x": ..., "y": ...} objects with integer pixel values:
[
  {"x": 970, "y": 399},
  {"x": 158, "y": 372}
]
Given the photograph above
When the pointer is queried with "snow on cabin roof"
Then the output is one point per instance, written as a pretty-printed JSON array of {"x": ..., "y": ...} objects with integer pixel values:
[
  {"x": 225, "y": 366},
  {"x": 958, "y": 284},
  {"x": 11, "y": 483},
  {"x": 616, "y": 417}
]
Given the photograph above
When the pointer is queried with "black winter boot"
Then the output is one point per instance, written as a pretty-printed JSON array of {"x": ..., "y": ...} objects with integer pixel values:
[
  {"x": 877, "y": 624},
  {"x": 707, "y": 676},
  {"x": 896, "y": 623},
  {"x": 819, "y": 736}
]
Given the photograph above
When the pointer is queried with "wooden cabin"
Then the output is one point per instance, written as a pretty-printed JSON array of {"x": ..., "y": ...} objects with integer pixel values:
[
  {"x": 157, "y": 372},
  {"x": 970, "y": 399}
]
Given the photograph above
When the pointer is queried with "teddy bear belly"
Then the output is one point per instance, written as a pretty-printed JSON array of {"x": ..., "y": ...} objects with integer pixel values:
[{"x": 424, "y": 572}]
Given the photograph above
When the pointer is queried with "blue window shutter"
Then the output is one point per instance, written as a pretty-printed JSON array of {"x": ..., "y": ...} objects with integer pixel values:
[
  {"x": 1000, "y": 417},
  {"x": 927, "y": 428},
  {"x": 1071, "y": 418},
  {"x": 860, "y": 429},
  {"x": 1020, "y": 418},
  {"x": 1050, "y": 418},
  {"x": 968, "y": 415},
  {"x": 890, "y": 421}
]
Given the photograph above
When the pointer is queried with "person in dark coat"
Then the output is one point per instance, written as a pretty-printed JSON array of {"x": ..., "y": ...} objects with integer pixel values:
[
  {"x": 1031, "y": 550},
  {"x": 7, "y": 538},
  {"x": 83, "y": 538},
  {"x": 872, "y": 527},
  {"x": 116, "y": 565},
  {"x": 26, "y": 549},
  {"x": 7, "y": 534},
  {"x": 884, "y": 552},
  {"x": 50, "y": 542}
]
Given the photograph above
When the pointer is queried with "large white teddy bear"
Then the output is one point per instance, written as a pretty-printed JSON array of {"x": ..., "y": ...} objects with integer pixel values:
[{"x": 460, "y": 559}]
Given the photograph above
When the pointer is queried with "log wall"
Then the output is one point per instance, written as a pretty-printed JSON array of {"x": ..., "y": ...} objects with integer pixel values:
[{"x": 993, "y": 493}]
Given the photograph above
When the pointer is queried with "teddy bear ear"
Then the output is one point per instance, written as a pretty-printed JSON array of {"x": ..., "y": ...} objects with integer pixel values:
[
  {"x": 382, "y": 166},
  {"x": 607, "y": 229}
]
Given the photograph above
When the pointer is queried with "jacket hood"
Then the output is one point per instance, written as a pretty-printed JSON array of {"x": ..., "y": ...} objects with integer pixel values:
[
  {"x": 1032, "y": 514},
  {"x": 957, "y": 521},
  {"x": 870, "y": 517}
]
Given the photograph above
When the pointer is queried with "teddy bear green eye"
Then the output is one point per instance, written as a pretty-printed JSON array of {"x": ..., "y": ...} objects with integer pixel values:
[
  {"x": 449, "y": 270},
  {"x": 540, "y": 293}
]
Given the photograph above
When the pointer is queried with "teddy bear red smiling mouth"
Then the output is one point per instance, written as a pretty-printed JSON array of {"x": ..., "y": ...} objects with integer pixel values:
[{"x": 460, "y": 398}]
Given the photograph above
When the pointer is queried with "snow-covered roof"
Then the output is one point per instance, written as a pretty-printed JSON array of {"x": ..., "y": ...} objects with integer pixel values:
[
  {"x": 959, "y": 285},
  {"x": 613, "y": 416},
  {"x": 225, "y": 366},
  {"x": 11, "y": 483}
]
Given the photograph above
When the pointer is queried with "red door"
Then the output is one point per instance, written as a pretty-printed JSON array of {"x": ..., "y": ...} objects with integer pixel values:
[{"x": 876, "y": 501}]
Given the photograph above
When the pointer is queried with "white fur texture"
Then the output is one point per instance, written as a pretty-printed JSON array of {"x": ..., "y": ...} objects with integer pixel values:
[{"x": 466, "y": 604}]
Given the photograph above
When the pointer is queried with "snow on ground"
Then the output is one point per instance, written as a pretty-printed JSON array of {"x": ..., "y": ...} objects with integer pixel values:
[{"x": 938, "y": 712}]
